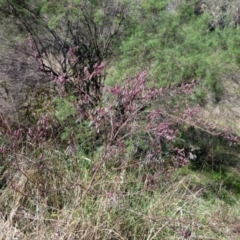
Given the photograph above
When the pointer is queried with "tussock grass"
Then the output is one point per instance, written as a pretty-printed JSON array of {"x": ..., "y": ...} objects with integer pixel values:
[{"x": 62, "y": 197}]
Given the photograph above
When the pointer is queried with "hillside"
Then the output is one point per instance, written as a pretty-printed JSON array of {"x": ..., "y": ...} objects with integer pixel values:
[{"x": 119, "y": 119}]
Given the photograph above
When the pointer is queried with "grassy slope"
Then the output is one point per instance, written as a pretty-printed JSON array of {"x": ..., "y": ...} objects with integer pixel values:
[
  {"x": 64, "y": 202},
  {"x": 48, "y": 194}
]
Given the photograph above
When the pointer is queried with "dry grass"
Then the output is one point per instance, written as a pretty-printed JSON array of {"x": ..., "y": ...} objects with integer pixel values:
[
  {"x": 225, "y": 113},
  {"x": 57, "y": 202}
]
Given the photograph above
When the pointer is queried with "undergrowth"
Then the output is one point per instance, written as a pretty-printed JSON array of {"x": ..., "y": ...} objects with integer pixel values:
[
  {"x": 54, "y": 201},
  {"x": 133, "y": 159},
  {"x": 110, "y": 171}
]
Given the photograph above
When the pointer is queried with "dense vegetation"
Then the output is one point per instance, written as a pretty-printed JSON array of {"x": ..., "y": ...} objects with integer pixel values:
[{"x": 109, "y": 139}]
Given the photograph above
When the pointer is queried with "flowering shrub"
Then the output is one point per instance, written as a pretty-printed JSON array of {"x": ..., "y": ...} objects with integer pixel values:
[{"x": 93, "y": 115}]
